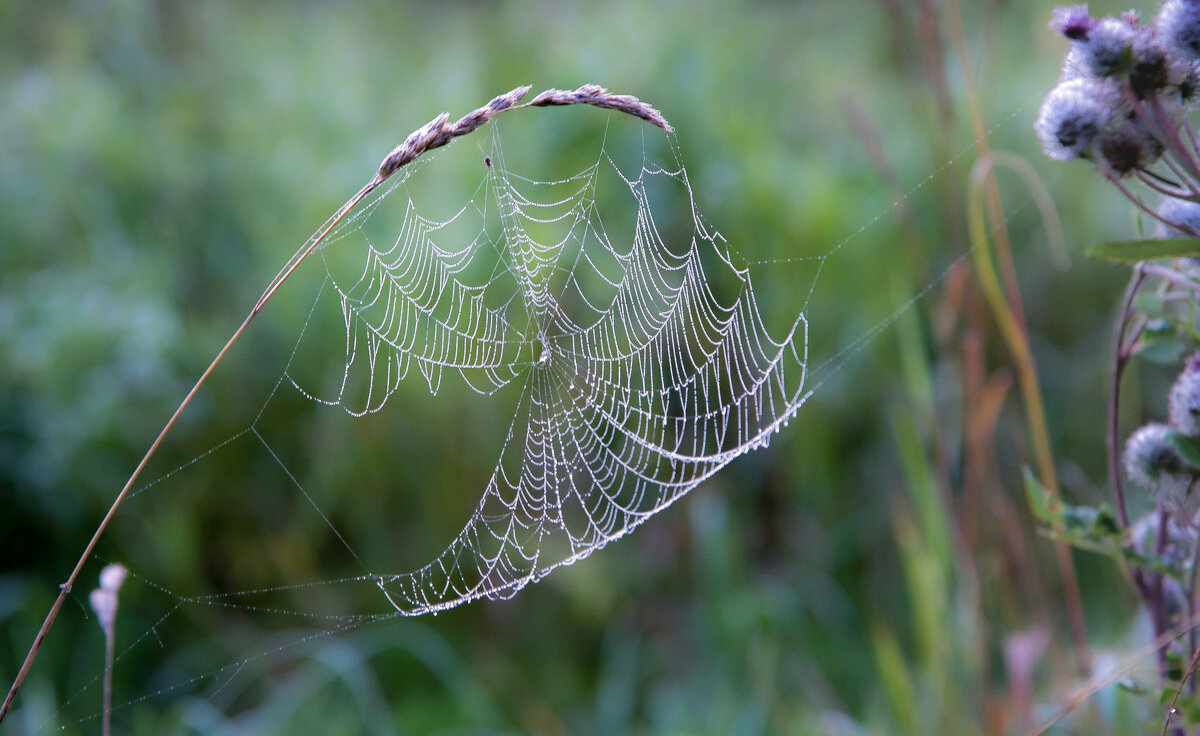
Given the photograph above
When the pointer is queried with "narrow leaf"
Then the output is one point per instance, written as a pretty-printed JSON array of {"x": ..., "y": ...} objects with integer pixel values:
[
  {"x": 1162, "y": 347},
  {"x": 1134, "y": 251},
  {"x": 1043, "y": 505}
]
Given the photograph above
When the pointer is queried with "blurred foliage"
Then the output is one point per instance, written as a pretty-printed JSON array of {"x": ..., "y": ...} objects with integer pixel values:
[{"x": 875, "y": 570}]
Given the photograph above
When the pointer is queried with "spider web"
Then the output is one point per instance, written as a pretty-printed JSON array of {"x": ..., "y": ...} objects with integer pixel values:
[
  {"x": 638, "y": 379},
  {"x": 617, "y": 336}
]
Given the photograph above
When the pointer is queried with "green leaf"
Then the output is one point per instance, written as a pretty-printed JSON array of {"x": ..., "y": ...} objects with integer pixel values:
[
  {"x": 1092, "y": 529},
  {"x": 1105, "y": 524},
  {"x": 1153, "y": 249},
  {"x": 1176, "y": 665},
  {"x": 1187, "y": 447},
  {"x": 1167, "y": 695},
  {"x": 1043, "y": 505},
  {"x": 1162, "y": 347},
  {"x": 1191, "y": 714}
]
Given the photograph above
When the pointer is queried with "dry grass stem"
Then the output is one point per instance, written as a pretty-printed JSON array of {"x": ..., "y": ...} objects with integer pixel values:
[
  {"x": 440, "y": 131},
  {"x": 434, "y": 134},
  {"x": 597, "y": 96}
]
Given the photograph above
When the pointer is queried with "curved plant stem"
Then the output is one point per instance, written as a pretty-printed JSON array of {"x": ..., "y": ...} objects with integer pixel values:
[
  {"x": 1115, "y": 180},
  {"x": 65, "y": 589},
  {"x": 1017, "y": 342},
  {"x": 1009, "y": 314},
  {"x": 1120, "y": 358},
  {"x": 438, "y": 132}
]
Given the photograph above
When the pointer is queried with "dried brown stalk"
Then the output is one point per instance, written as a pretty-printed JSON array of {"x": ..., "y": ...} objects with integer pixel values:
[
  {"x": 440, "y": 131},
  {"x": 591, "y": 94},
  {"x": 434, "y": 134}
]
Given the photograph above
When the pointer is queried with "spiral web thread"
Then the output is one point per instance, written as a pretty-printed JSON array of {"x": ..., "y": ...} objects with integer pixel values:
[{"x": 638, "y": 380}]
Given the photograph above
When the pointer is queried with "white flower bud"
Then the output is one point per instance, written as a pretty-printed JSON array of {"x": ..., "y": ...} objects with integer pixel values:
[
  {"x": 112, "y": 576},
  {"x": 104, "y": 603}
]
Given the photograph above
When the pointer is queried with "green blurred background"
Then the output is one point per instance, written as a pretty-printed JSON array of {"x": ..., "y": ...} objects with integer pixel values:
[{"x": 873, "y": 571}]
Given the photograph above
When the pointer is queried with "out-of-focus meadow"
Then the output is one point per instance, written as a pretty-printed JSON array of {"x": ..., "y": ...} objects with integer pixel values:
[{"x": 875, "y": 570}]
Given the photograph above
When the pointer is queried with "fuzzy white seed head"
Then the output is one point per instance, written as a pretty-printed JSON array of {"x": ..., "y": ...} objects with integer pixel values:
[
  {"x": 1184, "y": 403},
  {"x": 1152, "y": 463},
  {"x": 1186, "y": 80},
  {"x": 1150, "y": 63},
  {"x": 1106, "y": 49},
  {"x": 1178, "y": 24},
  {"x": 1180, "y": 212},
  {"x": 1071, "y": 116}
]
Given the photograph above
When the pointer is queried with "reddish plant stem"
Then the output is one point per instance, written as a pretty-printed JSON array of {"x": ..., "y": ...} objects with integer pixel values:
[
  {"x": 1150, "y": 586},
  {"x": 1120, "y": 358}
]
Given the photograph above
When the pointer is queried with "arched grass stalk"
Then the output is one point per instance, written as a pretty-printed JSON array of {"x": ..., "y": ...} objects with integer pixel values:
[{"x": 434, "y": 134}]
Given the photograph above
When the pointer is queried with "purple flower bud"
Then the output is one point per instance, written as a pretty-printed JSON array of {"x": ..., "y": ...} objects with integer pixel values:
[{"x": 1072, "y": 21}]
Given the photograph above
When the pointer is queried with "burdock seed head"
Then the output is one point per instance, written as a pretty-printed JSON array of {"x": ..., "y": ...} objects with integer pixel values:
[
  {"x": 1100, "y": 46},
  {"x": 1180, "y": 212},
  {"x": 1128, "y": 147},
  {"x": 1184, "y": 400},
  {"x": 1072, "y": 115},
  {"x": 1149, "y": 66},
  {"x": 1178, "y": 24},
  {"x": 1150, "y": 461},
  {"x": 1073, "y": 21}
]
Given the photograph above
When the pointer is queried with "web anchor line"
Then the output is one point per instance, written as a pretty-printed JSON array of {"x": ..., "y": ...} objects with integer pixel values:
[{"x": 435, "y": 134}]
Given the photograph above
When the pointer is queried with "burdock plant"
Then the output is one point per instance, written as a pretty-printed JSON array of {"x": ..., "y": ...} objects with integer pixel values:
[{"x": 1122, "y": 103}]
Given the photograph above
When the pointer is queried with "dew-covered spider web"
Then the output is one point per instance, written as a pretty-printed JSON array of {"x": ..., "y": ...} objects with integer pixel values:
[
  {"x": 551, "y": 348},
  {"x": 640, "y": 362}
]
